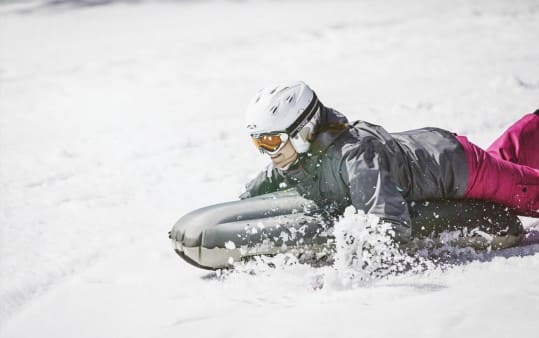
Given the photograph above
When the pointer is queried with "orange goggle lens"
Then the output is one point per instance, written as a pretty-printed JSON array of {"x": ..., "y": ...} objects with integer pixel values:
[{"x": 270, "y": 143}]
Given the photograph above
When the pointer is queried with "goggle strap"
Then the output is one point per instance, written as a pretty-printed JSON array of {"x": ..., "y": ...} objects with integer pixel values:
[{"x": 306, "y": 115}]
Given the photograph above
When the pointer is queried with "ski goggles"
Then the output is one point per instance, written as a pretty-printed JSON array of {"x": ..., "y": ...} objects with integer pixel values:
[{"x": 270, "y": 143}]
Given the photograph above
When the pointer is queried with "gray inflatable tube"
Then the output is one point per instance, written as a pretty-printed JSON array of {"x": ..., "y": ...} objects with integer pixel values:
[{"x": 216, "y": 236}]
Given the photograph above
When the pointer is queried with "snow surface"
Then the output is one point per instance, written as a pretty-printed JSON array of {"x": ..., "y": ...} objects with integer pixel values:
[{"x": 118, "y": 117}]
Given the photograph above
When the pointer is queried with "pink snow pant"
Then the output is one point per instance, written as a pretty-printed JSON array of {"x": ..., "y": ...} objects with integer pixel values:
[{"x": 508, "y": 172}]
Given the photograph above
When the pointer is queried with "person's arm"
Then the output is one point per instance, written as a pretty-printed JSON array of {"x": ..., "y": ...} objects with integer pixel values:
[
  {"x": 265, "y": 182},
  {"x": 364, "y": 169}
]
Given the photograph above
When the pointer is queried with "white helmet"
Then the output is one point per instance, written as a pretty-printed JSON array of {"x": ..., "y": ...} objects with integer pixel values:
[{"x": 293, "y": 109}]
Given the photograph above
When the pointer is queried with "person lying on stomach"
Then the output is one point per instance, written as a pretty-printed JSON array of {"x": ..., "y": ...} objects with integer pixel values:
[{"x": 338, "y": 163}]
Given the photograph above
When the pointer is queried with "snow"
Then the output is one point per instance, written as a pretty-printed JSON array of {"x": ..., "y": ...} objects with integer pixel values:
[{"x": 117, "y": 118}]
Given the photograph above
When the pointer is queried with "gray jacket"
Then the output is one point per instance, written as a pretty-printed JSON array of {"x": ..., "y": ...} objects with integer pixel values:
[{"x": 376, "y": 171}]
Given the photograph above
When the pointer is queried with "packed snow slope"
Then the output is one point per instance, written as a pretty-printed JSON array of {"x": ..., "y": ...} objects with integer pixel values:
[{"x": 118, "y": 117}]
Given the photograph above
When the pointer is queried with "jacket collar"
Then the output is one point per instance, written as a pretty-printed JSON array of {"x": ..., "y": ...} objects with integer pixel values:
[{"x": 332, "y": 125}]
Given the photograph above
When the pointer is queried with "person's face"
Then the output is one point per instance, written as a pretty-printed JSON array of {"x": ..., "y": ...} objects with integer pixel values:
[{"x": 285, "y": 156}]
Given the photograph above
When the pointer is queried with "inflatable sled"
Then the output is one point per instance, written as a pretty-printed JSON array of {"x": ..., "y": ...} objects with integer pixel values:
[{"x": 216, "y": 236}]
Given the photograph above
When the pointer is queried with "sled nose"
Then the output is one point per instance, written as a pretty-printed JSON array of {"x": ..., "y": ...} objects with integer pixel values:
[
  {"x": 176, "y": 239},
  {"x": 189, "y": 254}
]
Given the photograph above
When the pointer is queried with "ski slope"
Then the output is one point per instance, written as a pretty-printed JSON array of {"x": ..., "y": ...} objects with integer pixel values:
[{"x": 118, "y": 117}]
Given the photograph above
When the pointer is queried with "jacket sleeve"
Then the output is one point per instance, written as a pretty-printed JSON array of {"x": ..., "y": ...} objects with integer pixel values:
[
  {"x": 265, "y": 182},
  {"x": 364, "y": 168}
]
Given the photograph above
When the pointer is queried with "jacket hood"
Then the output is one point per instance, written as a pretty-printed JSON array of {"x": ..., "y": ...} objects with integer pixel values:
[{"x": 332, "y": 125}]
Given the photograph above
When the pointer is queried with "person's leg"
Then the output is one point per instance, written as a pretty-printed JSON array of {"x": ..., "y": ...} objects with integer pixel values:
[
  {"x": 492, "y": 178},
  {"x": 520, "y": 142}
]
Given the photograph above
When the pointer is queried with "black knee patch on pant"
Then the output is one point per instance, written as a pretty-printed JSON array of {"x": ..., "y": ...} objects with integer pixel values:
[{"x": 536, "y": 112}]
